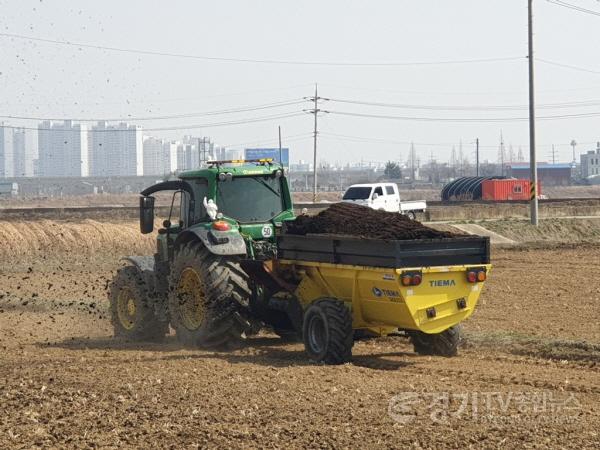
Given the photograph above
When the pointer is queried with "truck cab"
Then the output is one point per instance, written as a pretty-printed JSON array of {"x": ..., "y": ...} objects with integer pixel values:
[{"x": 383, "y": 197}]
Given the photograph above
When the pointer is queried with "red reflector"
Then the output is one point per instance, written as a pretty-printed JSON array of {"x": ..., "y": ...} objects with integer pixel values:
[
  {"x": 481, "y": 275},
  {"x": 221, "y": 225},
  {"x": 416, "y": 279},
  {"x": 406, "y": 280},
  {"x": 471, "y": 277}
]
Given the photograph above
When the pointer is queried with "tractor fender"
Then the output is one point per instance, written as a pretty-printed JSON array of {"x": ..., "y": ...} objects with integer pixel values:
[
  {"x": 216, "y": 242},
  {"x": 142, "y": 263}
]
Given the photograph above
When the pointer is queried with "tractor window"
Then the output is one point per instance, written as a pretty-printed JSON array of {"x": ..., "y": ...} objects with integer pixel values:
[
  {"x": 200, "y": 187},
  {"x": 389, "y": 190},
  {"x": 250, "y": 199}
]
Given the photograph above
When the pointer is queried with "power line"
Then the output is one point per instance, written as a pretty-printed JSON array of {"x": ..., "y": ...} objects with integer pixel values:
[
  {"x": 463, "y": 119},
  {"x": 177, "y": 116},
  {"x": 567, "y": 66},
  {"x": 574, "y": 7},
  {"x": 469, "y": 107},
  {"x": 173, "y": 128},
  {"x": 429, "y": 92},
  {"x": 261, "y": 61}
]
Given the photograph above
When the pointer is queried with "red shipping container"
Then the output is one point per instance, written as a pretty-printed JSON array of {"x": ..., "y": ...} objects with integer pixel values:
[{"x": 499, "y": 190}]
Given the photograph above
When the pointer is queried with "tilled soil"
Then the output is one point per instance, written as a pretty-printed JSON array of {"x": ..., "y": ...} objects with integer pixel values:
[
  {"x": 527, "y": 377},
  {"x": 355, "y": 220}
]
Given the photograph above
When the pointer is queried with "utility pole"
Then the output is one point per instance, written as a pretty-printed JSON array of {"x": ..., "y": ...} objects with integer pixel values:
[
  {"x": 532, "y": 161},
  {"x": 574, "y": 144},
  {"x": 315, "y": 110},
  {"x": 553, "y": 154},
  {"x": 280, "y": 161},
  {"x": 477, "y": 155}
]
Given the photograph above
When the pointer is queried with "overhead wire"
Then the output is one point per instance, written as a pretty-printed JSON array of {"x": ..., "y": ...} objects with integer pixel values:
[
  {"x": 170, "y": 128},
  {"x": 574, "y": 7},
  {"x": 166, "y": 117},
  {"x": 467, "y": 107},
  {"x": 262, "y": 61},
  {"x": 462, "y": 119}
]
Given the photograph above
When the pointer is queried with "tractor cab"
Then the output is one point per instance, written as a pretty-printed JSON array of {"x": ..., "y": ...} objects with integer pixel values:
[{"x": 224, "y": 205}]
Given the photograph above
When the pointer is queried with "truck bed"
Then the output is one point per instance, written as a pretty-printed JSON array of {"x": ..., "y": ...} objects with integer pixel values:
[{"x": 383, "y": 253}]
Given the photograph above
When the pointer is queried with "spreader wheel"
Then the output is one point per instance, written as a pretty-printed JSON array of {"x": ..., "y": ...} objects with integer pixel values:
[{"x": 327, "y": 332}]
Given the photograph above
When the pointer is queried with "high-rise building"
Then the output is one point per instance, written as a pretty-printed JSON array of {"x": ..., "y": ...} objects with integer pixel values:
[
  {"x": 24, "y": 152},
  {"x": 7, "y": 166},
  {"x": 63, "y": 149},
  {"x": 116, "y": 150},
  {"x": 160, "y": 156}
]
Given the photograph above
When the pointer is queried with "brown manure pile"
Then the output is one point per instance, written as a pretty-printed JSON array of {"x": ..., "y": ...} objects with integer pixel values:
[{"x": 354, "y": 220}]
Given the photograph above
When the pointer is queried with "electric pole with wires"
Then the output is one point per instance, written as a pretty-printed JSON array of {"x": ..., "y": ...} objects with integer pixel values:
[
  {"x": 533, "y": 210},
  {"x": 315, "y": 110}
]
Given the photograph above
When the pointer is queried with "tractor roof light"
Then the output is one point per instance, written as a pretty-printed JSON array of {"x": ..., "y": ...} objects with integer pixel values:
[
  {"x": 278, "y": 173},
  {"x": 222, "y": 176},
  {"x": 228, "y": 176}
]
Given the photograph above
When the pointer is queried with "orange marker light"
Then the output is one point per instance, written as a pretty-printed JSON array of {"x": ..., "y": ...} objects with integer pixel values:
[
  {"x": 406, "y": 280},
  {"x": 481, "y": 275},
  {"x": 471, "y": 277},
  {"x": 221, "y": 225}
]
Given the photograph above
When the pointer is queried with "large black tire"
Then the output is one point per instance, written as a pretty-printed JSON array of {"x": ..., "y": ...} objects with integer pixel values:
[
  {"x": 442, "y": 344},
  {"x": 132, "y": 315},
  {"x": 208, "y": 298},
  {"x": 412, "y": 215},
  {"x": 327, "y": 332}
]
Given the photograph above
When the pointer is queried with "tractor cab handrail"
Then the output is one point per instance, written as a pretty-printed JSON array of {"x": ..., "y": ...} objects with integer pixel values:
[{"x": 172, "y": 185}]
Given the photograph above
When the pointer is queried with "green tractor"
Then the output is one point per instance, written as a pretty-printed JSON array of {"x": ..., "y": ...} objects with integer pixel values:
[{"x": 228, "y": 215}]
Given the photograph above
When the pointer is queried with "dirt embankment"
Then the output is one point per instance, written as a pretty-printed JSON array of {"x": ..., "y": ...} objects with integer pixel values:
[
  {"x": 355, "y": 220},
  {"x": 41, "y": 239}
]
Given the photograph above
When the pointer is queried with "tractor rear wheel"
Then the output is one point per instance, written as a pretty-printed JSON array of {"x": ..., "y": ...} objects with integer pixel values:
[
  {"x": 441, "y": 344},
  {"x": 208, "y": 298},
  {"x": 327, "y": 332},
  {"x": 412, "y": 215},
  {"x": 132, "y": 315}
]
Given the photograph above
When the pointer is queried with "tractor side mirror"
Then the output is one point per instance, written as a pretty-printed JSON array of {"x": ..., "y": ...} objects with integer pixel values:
[{"x": 146, "y": 214}]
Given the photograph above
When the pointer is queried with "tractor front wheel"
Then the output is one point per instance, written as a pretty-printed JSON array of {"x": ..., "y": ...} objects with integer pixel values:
[
  {"x": 132, "y": 315},
  {"x": 208, "y": 298},
  {"x": 327, "y": 332},
  {"x": 441, "y": 344}
]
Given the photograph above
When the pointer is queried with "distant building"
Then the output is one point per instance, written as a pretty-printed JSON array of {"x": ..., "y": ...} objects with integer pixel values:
[
  {"x": 63, "y": 149},
  {"x": 160, "y": 156},
  {"x": 24, "y": 153},
  {"x": 548, "y": 174},
  {"x": 7, "y": 165},
  {"x": 116, "y": 150},
  {"x": 590, "y": 162}
]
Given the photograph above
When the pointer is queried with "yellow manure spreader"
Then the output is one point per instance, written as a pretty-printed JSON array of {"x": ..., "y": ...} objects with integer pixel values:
[{"x": 334, "y": 289}]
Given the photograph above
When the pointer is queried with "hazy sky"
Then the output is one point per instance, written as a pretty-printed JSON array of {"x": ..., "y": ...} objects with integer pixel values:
[{"x": 49, "y": 80}]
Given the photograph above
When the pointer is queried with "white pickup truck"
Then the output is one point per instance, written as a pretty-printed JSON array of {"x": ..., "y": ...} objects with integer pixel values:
[{"x": 384, "y": 197}]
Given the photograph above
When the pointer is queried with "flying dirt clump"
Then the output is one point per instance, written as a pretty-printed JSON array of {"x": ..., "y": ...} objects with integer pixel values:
[{"x": 354, "y": 220}]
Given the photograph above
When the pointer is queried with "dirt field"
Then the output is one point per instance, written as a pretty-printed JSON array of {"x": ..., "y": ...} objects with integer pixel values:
[{"x": 527, "y": 377}]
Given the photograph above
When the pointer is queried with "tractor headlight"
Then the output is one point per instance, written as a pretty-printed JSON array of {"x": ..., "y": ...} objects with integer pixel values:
[{"x": 222, "y": 176}]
